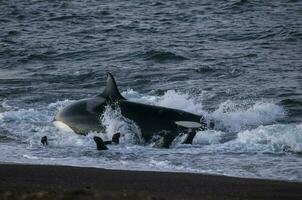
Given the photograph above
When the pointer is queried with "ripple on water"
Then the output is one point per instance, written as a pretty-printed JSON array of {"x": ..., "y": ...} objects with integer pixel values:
[
  {"x": 162, "y": 56},
  {"x": 246, "y": 54}
]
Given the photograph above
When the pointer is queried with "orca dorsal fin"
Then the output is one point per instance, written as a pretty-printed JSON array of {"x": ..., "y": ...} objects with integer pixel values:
[{"x": 111, "y": 91}]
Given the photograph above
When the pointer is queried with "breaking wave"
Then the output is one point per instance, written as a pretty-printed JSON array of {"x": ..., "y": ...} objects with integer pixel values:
[
  {"x": 249, "y": 131},
  {"x": 276, "y": 138},
  {"x": 236, "y": 117}
]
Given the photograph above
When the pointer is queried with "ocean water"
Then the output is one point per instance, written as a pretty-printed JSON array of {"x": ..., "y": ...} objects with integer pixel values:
[{"x": 237, "y": 62}]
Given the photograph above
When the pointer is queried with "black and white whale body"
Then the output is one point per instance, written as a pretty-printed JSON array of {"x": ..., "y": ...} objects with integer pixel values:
[{"x": 84, "y": 116}]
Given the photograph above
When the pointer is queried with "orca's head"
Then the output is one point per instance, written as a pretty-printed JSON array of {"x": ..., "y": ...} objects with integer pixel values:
[
  {"x": 81, "y": 116},
  {"x": 84, "y": 115}
]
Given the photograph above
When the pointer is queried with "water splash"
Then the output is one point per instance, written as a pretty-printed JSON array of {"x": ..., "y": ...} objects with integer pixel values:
[
  {"x": 236, "y": 117},
  {"x": 276, "y": 138},
  {"x": 114, "y": 122}
]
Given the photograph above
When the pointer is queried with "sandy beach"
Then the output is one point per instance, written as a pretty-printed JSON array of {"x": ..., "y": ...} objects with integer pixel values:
[{"x": 64, "y": 182}]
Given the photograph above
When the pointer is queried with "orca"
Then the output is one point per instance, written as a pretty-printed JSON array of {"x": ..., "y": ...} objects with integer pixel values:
[{"x": 84, "y": 116}]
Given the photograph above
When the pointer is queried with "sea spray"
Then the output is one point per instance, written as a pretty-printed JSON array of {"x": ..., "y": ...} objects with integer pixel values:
[
  {"x": 114, "y": 122},
  {"x": 236, "y": 117},
  {"x": 276, "y": 138}
]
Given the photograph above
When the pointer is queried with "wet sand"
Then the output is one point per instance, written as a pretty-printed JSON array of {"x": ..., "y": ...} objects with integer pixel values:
[{"x": 63, "y": 182}]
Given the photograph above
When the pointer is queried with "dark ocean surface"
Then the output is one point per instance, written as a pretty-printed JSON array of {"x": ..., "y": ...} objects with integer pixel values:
[{"x": 239, "y": 63}]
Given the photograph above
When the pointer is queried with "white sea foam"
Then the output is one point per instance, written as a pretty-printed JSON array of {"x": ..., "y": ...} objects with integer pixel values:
[
  {"x": 182, "y": 101},
  {"x": 235, "y": 117},
  {"x": 276, "y": 138},
  {"x": 208, "y": 137},
  {"x": 137, "y": 97},
  {"x": 30, "y": 157}
]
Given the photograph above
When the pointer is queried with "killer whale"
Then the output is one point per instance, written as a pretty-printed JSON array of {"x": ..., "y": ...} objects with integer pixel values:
[{"x": 84, "y": 115}]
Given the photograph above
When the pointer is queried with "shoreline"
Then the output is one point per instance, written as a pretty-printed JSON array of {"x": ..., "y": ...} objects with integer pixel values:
[
  {"x": 155, "y": 171},
  {"x": 61, "y": 182}
]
